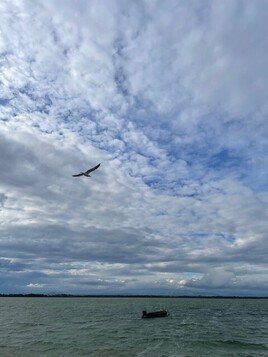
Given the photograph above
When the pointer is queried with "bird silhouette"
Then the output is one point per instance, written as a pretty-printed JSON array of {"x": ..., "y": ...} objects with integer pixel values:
[{"x": 86, "y": 173}]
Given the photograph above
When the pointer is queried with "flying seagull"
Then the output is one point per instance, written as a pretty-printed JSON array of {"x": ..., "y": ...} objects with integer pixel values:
[{"x": 87, "y": 173}]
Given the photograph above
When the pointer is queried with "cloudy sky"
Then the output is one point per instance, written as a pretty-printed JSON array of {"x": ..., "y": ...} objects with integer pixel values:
[{"x": 171, "y": 98}]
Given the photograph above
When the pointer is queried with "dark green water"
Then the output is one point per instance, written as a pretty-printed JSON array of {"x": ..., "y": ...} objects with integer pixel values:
[{"x": 113, "y": 327}]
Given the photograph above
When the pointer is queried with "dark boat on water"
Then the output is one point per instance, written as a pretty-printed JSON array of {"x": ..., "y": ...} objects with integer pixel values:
[{"x": 149, "y": 315}]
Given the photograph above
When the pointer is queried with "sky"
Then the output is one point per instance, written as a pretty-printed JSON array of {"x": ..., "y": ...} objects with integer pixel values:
[{"x": 171, "y": 98}]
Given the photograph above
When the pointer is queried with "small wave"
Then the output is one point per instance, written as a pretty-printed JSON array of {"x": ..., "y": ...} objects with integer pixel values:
[
  {"x": 241, "y": 344},
  {"x": 30, "y": 324},
  {"x": 149, "y": 349}
]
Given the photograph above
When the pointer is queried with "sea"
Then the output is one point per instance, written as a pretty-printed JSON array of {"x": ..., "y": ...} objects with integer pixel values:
[{"x": 113, "y": 327}]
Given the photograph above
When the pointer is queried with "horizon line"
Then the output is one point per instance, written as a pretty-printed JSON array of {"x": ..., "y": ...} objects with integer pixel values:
[{"x": 134, "y": 295}]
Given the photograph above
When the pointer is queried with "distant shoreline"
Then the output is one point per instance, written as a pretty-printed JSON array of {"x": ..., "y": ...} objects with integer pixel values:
[{"x": 131, "y": 296}]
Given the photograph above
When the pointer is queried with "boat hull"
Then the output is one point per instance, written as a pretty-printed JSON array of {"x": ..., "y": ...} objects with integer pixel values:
[{"x": 154, "y": 314}]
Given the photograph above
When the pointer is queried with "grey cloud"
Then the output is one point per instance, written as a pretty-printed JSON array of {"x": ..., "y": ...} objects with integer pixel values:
[
  {"x": 3, "y": 198},
  {"x": 90, "y": 244}
]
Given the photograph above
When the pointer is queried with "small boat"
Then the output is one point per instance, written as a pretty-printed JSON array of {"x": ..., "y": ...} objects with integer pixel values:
[{"x": 149, "y": 315}]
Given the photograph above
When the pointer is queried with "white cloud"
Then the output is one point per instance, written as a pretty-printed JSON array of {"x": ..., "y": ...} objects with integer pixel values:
[
  {"x": 35, "y": 286},
  {"x": 170, "y": 99}
]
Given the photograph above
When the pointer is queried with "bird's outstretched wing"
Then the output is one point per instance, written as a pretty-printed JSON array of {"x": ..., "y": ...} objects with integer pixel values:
[
  {"x": 88, "y": 171},
  {"x": 92, "y": 169},
  {"x": 78, "y": 175}
]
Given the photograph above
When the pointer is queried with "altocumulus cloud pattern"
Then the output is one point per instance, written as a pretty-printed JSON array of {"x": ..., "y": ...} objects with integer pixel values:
[{"x": 170, "y": 96}]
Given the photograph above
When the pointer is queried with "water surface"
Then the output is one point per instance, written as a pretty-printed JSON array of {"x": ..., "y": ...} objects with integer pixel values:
[{"x": 113, "y": 327}]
